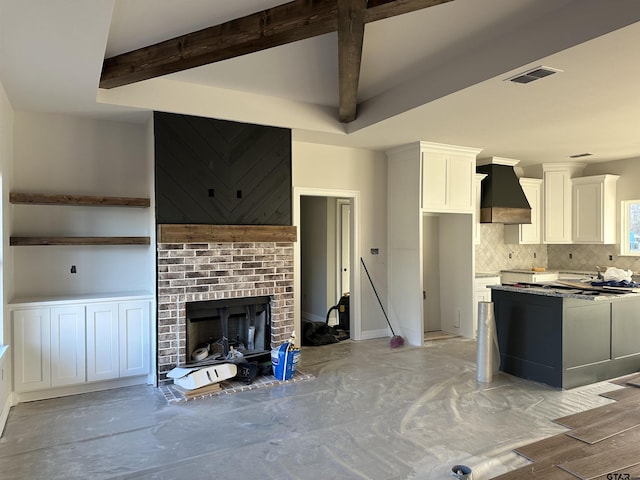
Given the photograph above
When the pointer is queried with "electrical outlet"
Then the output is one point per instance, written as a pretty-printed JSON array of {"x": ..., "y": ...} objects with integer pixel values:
[
  {"x": 73, "y": 269},
  {"x": 610, "y": 257},
  {"x": 571, "y": 255},
  {"x": 510, "y": 254},
  {"x": 534, "y": 255}
]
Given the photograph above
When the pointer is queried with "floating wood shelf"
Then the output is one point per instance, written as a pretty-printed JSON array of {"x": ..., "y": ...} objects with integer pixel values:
[
  {"x": 31, "y": 241},
  {"x": 78, "y": 200}
]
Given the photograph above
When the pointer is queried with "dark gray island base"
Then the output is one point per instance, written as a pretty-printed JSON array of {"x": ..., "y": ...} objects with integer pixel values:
[{"x": 566, "y": 340}]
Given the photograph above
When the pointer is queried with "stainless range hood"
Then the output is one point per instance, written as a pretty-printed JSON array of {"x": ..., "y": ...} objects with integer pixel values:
[{"x": 502, "y": 199}]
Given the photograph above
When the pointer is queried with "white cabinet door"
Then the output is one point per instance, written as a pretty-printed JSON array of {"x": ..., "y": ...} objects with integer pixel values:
[
  {"x": 557, "y": 200},
  {"x": 32, "y": 340},
  {"x": 460, "y": 182},
  {"x": 102, "y": 342},
  {"x": 67, "y": 346},
  {"x": 448, "y": 181},
  {"x": 434, "y": 181},
  {"x": 594, "y": 209},
  {"x": 134, "y": 333},
  {"x": 528, "y": 233},
  {"x": 557, "y": 207}
]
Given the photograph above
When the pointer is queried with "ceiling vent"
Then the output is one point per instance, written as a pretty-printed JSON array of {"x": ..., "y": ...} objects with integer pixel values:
[
  {"x": 533, "y": 74},
  {"x": 580, "y": 155}
]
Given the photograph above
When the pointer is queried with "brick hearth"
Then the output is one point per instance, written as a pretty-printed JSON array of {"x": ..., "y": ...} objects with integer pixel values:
[{"x": 189, "y": 272}]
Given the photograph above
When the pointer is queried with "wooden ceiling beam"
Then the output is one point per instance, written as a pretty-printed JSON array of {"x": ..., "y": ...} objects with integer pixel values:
[
  {"x": 350, "y": 40},
  {"x": 381, "y": 9},
  {"x": 290, "y": 22}
]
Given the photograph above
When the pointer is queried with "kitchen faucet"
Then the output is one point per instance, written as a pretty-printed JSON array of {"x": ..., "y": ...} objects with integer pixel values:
[{"x": 600, "y": 277}]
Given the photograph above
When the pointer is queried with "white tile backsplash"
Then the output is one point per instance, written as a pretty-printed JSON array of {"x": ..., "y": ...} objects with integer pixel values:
[{"x": 493, "y": 255}]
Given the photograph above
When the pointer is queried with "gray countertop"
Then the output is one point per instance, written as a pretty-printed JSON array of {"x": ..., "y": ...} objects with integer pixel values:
[{"x": 550, "y": 290}]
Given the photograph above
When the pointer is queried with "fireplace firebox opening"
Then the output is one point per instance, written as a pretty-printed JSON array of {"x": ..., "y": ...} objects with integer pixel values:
[{"x": 217, "y": 328}]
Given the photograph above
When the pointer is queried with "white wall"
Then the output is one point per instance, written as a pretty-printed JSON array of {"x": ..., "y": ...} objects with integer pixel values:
[
  {"x": 6, "y": 154},
  {"x": 67, "y": 154},
  {"x": 327, "y": 167}
]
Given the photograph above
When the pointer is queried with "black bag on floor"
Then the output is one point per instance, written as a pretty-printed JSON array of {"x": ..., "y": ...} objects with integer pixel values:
[{"x": 317, "y": 333}]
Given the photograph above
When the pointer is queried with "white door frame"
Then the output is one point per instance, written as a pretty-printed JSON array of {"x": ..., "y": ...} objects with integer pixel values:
[
  {"x": 342, "y": 202},
  {"x": 354, "y": 295}
]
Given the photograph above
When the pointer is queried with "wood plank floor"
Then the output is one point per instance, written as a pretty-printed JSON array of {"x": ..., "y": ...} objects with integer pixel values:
[{"x": 602, "y": 441}]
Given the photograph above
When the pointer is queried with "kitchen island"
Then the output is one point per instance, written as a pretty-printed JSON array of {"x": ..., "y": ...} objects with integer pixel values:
[{"x": 566, "y": 337}]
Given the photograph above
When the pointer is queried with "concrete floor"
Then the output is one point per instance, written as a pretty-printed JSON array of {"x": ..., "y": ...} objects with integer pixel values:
[{"x": 371, "y": 413}]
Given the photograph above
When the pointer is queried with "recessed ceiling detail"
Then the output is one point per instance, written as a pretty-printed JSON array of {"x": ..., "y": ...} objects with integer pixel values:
[
  {"x": 533, "y": 74},
  {"x": 580, "y": 155}
]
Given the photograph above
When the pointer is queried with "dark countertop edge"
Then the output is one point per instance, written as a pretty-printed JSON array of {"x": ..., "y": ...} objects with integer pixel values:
[{"x": 553, "y": 293}]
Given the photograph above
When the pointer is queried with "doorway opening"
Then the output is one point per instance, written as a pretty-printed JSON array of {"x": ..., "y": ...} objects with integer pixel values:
[{"x": 324, "y": 257}]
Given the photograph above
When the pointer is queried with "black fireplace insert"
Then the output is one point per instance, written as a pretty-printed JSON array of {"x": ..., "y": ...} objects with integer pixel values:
[{"x": 218, "y": 330}]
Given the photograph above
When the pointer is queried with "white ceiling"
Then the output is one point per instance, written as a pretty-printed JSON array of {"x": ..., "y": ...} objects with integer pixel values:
[{"x": 437, "y": 74}]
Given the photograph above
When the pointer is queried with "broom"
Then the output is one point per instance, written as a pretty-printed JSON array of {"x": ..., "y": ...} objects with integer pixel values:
[{"x": 396, "y": 340}]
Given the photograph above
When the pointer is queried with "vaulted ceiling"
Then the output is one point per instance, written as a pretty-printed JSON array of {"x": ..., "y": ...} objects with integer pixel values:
[{"x": 343, "y": 72}]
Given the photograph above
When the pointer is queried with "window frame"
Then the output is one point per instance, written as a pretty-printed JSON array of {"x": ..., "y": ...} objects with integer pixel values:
[{"x": 625, "y": 244}]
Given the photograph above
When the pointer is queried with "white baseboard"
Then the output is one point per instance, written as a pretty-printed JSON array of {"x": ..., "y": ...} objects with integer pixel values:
[
  {"x": 79, "y": 388},
  {"x": 370, "y": 334},
  {"x": 5, "y": 414}
]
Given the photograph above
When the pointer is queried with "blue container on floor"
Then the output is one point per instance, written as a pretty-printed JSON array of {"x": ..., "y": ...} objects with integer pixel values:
[{"x": 284, "y": 360}]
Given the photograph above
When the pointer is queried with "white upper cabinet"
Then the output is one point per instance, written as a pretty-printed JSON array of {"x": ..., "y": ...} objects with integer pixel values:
[
  {"x": 528, "y": 233},
  {"x": 557, "y": 200},
  {"x": 448, "y": 178},
  {"x": 594, "y": 209}
]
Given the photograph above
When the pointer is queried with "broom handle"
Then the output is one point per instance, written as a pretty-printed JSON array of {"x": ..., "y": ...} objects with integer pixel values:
[{"x": 374, "y": 291}]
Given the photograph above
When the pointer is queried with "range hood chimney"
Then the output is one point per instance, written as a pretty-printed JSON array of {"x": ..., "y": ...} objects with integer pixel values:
[{"x": 502, "y": 199}]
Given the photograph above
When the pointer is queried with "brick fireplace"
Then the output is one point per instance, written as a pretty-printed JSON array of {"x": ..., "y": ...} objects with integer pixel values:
[{"x": 209, "y": 262}]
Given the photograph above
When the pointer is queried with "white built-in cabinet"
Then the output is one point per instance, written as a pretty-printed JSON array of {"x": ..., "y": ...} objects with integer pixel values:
[
  {"x": 428, "y": 178},
  {"x": 117, "y": 340},
  {"x": 49, "y": 347},
  {"x": 557, "y": 200},
  {"x": 448, "y": 178},
  {"x": 58, "y": 344},
  {"x": 594, "y": 209},
  {"x": 528, "y": 233}
]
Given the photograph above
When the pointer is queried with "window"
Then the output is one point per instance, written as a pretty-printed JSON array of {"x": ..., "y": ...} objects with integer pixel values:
[{"x": 630, "y": 235}]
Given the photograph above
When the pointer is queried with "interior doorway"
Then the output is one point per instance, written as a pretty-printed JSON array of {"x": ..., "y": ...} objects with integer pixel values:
[{"x": 325, "y": 254}]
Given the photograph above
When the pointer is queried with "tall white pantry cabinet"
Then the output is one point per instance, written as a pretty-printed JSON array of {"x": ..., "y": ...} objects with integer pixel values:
[{"x": 427, "y": 178}]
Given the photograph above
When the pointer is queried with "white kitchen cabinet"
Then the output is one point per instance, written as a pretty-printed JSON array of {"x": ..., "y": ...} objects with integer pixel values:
[
  {"x": 517, "y": 276},
  {"x": 69, "y": 343},
  {"x": 557, "y": 200},
  {"x": 49, "y": 347},
  {"x": 477, "y": 238},
  {"x": 407, "y": 186},
  {"x": 528, "y": 233},
  {"x": 448, "y": 178},
  {"x": 482, "y": 293},
  {"x": 133, "y": 331},
  {"x": 594, "y": 209}
]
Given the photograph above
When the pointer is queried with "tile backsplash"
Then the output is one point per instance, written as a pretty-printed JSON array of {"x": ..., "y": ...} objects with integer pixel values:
[{"x": 493, "y": 255}]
